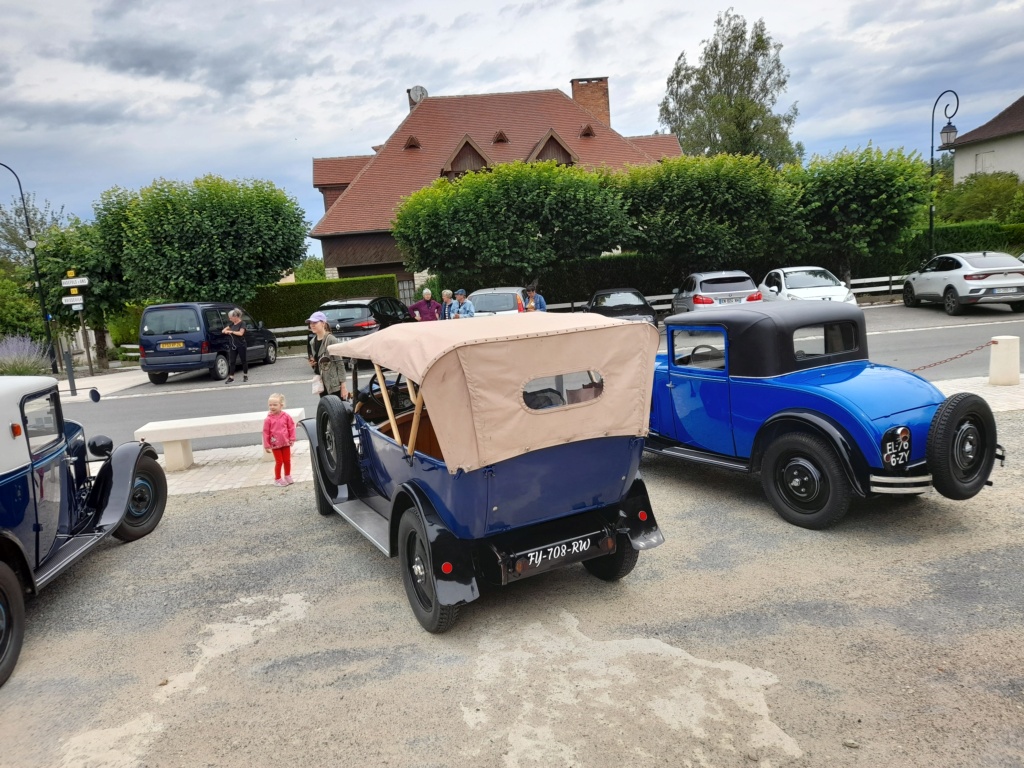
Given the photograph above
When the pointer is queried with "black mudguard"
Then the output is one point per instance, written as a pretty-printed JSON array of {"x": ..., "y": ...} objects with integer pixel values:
[
  {"x": 459, "y": 586},
  {"x": 112, "y": 487},
  {"x": 643, "y": 533}
]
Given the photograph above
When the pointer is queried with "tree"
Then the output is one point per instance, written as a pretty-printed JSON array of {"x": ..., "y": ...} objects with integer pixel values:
[
  {"x": 12, "y": 229},
  {"x": 19, "y": 310},
  {"x": 212, "y": 239},
  {"x": 726, "y": 102},
  {"x": 310, "y": 270},
  {"x": 860, "y": 205},
  {"x": 518, "y": 216},
  {"x": 980, "y": 196},
  {"x": 712, "y": 212}
]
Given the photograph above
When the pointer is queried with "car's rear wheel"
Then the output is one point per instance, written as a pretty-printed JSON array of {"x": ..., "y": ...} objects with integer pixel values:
[
  {"x": 12, "y": 620},
  {"x": 909, "y": 299},
  {"x": 804, "y": 481},
  {"x": 418, "y": 575},
  {"x": 961, "y": 446},
  {"x": 336, "y": 448},
  {"x": 951, "y": 303},
  {"x": 146, "y": 502},
  {"x": 219, "y": 371},
  {"x": 271, "y": 357},
  {"x": 158, "y": 378},
  {"x": 618, "y": 564}
]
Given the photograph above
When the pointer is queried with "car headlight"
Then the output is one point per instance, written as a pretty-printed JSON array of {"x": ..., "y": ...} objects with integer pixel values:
[{"x": 850, "y": 296}]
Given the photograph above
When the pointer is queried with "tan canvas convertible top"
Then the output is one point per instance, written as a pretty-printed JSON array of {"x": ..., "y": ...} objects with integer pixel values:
[{"x": 472, "y": 374}]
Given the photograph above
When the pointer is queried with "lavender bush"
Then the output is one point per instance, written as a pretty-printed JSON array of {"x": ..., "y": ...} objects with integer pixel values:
[{"x": 20, "y": 356}]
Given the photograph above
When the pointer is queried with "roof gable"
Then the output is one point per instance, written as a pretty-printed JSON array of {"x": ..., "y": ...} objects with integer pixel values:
[
  {"x": 332, "y": 171},
  {"x": 443, "y": 123},
  {"x": 1007, "y": 123}
]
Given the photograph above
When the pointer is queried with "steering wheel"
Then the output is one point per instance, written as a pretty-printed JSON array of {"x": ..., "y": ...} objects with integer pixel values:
[
  {"x": 709, "y": 353},
  {"x": 375, "y": 393}
]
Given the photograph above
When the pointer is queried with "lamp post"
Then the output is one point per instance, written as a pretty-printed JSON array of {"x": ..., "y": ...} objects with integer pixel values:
[
  {"x": 31, "y": 245},
  {"x": 948, "y": 137}
]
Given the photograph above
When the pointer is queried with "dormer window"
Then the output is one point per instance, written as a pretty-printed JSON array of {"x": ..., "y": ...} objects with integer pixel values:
[
  {"x": 468, "y": 156},
  {"x": 412, "y": 143},
  {"x": 552, "y": 147},
  {"x": 587, "y": 131},
  {"x": 500, "y": 138}
]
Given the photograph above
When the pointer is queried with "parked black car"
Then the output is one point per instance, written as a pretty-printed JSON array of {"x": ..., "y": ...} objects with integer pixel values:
[
  {"x": 623, "y": 303},
  {"x": 188, "y": 337},
  {"x": 352, "y": 318}
]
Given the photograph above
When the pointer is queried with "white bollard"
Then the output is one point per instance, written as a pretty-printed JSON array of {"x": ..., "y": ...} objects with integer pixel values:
[{"x": 1004, "y": 365}]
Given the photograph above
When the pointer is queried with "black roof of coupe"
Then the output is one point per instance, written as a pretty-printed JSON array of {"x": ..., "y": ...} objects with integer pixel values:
[{"x": 761, "y": 336}]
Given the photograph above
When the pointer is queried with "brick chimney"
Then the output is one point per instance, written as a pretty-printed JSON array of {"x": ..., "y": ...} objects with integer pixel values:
[{"x": 591, "y": 93}]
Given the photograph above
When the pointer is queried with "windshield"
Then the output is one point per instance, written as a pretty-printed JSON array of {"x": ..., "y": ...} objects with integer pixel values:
[
  {"x": 811, "y": 278},
  {"x": 346, "y": 314},
  {"x": 494, "y": 302},
  {"x": 619, "y": 299},
  {"x": 171, "y": 320},
  {"x": 731, "y": 283}
]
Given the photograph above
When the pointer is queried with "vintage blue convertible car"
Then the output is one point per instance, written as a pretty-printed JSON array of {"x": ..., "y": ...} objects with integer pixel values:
[
  {"x": 53, "y": 509},
  {"x": 786, "y": 389},
  {"x": 499, "y": 448}
]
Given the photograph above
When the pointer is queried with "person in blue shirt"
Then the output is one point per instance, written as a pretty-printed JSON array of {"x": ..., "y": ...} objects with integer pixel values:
[
  {"x": 534, "y": 301},
  {"x": 465, "y": 307}
]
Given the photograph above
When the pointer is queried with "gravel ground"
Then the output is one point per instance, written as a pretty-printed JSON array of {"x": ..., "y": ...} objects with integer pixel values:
[{"x": 248, "y": 631}]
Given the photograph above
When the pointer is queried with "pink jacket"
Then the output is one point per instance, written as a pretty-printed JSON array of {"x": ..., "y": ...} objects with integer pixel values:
[{"x": 278, "y": 430}]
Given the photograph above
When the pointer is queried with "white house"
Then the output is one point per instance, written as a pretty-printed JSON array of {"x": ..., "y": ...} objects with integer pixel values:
[{"x": 998, "y": 145}]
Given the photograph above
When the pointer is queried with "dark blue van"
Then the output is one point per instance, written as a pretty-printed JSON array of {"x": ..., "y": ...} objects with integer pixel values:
[{"x": 188, "y": 337}]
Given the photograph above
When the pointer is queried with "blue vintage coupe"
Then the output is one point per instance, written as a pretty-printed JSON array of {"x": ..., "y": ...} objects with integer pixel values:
[
  {"x": 786, "y": 389},
  {"x": 54, "y": 508},
  {"x": 497, "y": 448}
]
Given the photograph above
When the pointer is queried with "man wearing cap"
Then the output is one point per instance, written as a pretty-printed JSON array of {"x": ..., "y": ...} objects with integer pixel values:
[
  {"x": 329, "y": 368},
  {"x": 427, "y": 309},
  {"x": 465, "y": 306}
]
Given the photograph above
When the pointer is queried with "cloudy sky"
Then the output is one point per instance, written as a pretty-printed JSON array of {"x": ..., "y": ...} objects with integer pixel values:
[{"x": 103, "y": 93}]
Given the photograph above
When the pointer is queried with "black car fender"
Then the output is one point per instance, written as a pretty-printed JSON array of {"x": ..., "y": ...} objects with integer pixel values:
[
  {"x": 454, "y": 588},
  {"x": 846, "y": 449},
  {"x": 636, "y": 518},
  {"x": 112, "y": 487},
  {"x": 13, "y": 553}
]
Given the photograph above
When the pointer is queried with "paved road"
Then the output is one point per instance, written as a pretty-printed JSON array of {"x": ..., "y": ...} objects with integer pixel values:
[{"x": 249, "y": 631}]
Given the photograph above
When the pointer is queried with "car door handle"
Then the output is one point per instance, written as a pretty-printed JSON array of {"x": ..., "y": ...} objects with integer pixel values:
[{"x": 670, "y": 385}]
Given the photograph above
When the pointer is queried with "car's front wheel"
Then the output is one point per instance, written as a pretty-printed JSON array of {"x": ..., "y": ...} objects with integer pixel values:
[
  {"x": 12, "y": 620},
  {"x": 418, "y": 575},
  {"x": 804, "y": 481},
  {"x": 617, "y": 565},
  {"x": 145, "y": 503},
  {"x": 158, "y": 378},
  {"x": 909, "y": 299},
  {"x": 961, "y": 446},
  {"x": 1017, "y": 306},
  {"x": 951, "y": 303}
]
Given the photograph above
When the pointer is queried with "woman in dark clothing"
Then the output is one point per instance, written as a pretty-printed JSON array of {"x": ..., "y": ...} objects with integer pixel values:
[
  {"x": 236, "y": 346},
  {"x": 330, "y": 369}
]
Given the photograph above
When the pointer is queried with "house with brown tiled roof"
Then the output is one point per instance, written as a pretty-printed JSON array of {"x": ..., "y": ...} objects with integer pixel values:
[
  {"x": 998, "y": 145},
  {"x": 445, "y": 136}
]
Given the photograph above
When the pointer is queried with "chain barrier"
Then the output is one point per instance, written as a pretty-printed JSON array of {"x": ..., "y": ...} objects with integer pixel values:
[{"x": 954, "y": 357}]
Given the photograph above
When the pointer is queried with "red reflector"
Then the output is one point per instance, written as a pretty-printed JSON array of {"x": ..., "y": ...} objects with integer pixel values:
[
  {"x": 15, "y": 430},
  {"x": 755, "y": 296},
  {"x": 446, "y": 568},
  {"x": 142, "y": 352},
  {"x": 607, "y": 544},
  {"x": 698, "y": 299},
  {"x": 642, "y": 515},
  {"x": 366, "y": 324},
  {"x": 205, "y": 347},
  {"x": 975, "y": 277}
]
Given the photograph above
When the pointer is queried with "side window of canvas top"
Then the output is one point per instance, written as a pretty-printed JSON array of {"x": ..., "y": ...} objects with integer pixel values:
[{"x": 563, "y": 389}]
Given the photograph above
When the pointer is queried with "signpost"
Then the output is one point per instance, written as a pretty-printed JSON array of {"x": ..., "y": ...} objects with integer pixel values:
[{"x": 77, "y": 303}]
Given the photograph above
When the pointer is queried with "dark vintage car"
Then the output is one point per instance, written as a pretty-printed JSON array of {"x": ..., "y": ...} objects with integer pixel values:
[
  {"x": 54, "y": 507},
  {"x": 496, "y": 450},
  {"x": 786, "y": 389}
]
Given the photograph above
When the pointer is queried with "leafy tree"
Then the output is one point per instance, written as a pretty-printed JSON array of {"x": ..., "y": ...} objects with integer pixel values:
[
  {"x": 713, "y": 212},
  {"x": 19, "y": 310},
  {"x": 726, "y": 102},
  {"x": 515, "y": 216},
  {"x": 310, "y": 270},
  {"x": 12, "y": 229},
  {"x": 212, "y": 239},
  {"x": 980, "y": 196},
  {"x": 859, "y": 205}
]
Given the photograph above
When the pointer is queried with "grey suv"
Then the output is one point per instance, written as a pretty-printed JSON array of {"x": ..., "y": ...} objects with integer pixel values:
[{"x": 703, "y": 290}]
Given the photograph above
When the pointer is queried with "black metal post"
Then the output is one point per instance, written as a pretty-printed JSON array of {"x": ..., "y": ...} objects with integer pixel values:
[
  {"x": 35, "y": 268},
  {"x": 931, "y": 181}
]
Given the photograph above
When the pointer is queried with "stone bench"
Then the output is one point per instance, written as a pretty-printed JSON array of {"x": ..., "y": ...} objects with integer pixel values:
[{"x": 177, "y": 434}]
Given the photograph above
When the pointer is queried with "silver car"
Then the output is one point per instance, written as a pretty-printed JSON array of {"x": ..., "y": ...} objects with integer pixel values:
[
  {"x": 960, "y": 279},
  {"x": 498, "y": 301},
  {"x": 703, "y": 290}
]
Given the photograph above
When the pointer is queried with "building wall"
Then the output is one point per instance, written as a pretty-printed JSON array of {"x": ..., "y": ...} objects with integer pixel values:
[
  {"x": 1002, "y": 154},
  {"x": 374, "y": 253}
]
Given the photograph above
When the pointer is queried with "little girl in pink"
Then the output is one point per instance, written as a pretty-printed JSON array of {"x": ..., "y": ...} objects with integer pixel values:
[{"x": 279, "y": 437}]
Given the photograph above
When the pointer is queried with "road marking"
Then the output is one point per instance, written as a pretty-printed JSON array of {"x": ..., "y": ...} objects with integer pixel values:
[
  {"x": 944, "y": 327},
  {"x": 222, "y": 388}
]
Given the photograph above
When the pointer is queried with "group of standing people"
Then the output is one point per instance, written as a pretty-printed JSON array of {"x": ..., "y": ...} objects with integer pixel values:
[{"x": 457, "y": 305}]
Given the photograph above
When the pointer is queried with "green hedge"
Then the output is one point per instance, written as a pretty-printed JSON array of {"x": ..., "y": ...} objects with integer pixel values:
[
  {"x": 289, "y": 304},
  {"x": 1014, "y": 238}
]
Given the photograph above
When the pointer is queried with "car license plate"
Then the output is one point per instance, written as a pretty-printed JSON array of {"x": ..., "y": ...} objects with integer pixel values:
[
  {"x": 172, "y": 344},
  {"x": 554, "y": 555},
  {"x": 728, "y": 301},
  {"x": 896, "y": 447},
  {"x": 1005, "y": 290}
]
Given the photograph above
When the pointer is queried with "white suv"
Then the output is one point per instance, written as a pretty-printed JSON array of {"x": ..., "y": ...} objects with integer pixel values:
[{"x": 959, "y": 279}]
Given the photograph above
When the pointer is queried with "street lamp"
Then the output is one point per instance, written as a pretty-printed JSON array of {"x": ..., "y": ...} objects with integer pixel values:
[
  {"x": 31, "y": 245},
  {"x": 948, "y": 137}
]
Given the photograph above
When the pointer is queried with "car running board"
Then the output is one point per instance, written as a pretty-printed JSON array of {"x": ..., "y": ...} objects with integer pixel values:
[
  {"x": 68, "y": 553},
  {"x": 665, "y": 448},
  {"x": 363, "y": 518}
]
